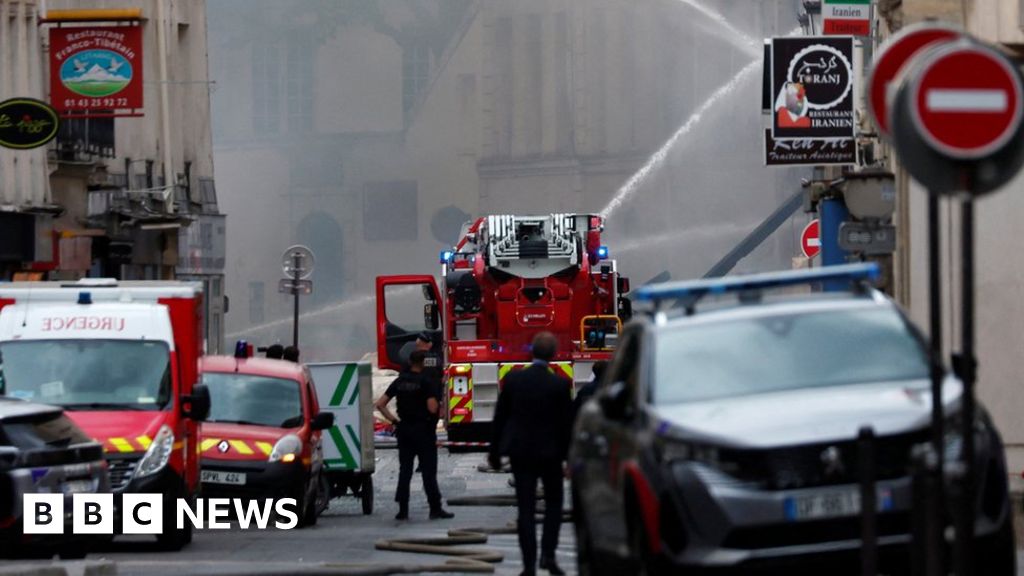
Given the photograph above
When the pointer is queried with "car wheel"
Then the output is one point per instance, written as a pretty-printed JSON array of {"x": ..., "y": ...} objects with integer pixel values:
[
  {"x": 366, "y": 494},
  {"x": 997, "y": 554},
  {"x": 323, "y": 494},
  {"x": 172, "y": 539},
  {"x": 307, "y": 505}
]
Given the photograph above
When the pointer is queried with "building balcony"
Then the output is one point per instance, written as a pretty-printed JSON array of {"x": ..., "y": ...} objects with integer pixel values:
[{"x": 84, "y": 140}]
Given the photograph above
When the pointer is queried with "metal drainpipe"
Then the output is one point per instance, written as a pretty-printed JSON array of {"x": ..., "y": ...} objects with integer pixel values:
[{"x": 165, "y": 105}]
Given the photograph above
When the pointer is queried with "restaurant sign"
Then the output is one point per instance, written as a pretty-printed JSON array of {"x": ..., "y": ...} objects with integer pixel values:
[
  {"x": 27, "y": 123},
  {"x": 96, "y": 71}
]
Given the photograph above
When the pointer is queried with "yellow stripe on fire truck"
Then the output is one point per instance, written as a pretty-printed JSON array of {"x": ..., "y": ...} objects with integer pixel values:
[
  {"x": 118, "y": 444},
  {"x": 246, "y": 447},
  {"x": 460, "y": 409},
  {"x": 460, "y": 395},
  {"x": 562, "y": 368}
]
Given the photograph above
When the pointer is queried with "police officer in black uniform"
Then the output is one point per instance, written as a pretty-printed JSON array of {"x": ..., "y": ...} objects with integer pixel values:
[{"x": 418, "y": 398}]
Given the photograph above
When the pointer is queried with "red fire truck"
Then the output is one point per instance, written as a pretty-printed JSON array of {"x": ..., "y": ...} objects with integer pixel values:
[
  {"x": 122, "y": 359},
  {"x": 508, "y": 278}
]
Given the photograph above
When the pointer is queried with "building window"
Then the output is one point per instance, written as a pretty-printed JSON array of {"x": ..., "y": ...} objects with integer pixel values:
[
  {"x": 85, "y": 139},
  {"x": 266, "y": 89},
  {"x": 415, "y": 75},
  {"x": 255, "y": 302},
  {"x": 390, "y": 211},
  {"x": 282, "y": 86},
  {"x": 298, "y": 78}
]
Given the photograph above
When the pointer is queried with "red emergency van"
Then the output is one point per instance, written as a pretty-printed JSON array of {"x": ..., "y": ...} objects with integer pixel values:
[
  {"x": 263, "y": 436},
  {"x": 122, "y": 359}
]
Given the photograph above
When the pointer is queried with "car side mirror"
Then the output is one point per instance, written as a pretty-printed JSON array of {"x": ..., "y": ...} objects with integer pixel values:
[
  {"x": 431, "y": 316},
  {"x": 625, "y": 309},
  {"x": 323, "y": 421},
  {"x": 196, "y": 406},
  {"x": 293, "y": 422},
  {"x": 614, "y": 401}
]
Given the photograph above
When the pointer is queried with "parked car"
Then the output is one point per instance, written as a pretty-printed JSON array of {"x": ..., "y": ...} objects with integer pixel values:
[
  {"x": 43, "y": 451},
  {"x": 725, "y": 434},
  {"x": 263, "y": 435}
]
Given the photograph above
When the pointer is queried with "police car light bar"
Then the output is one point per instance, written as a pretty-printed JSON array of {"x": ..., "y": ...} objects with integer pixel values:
[{"x": 698, "y": 288}]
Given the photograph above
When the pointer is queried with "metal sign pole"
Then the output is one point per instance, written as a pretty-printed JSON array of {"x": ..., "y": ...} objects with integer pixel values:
[
  {"x": 966, "y": 150},
  {"x": 868, "y": 502},
  {"x": 297, "y": 257},
  {"x": 933, "y": 537},
  {"x": 966, "y": 369}
]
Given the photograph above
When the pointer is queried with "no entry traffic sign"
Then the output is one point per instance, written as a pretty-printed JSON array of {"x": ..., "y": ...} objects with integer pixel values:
[
  {"x": 967, "y": 101},
  {"x": 891, "y": 59},
  {"x": 958, "y": 118},
  {"x": 810, "y": 239}
]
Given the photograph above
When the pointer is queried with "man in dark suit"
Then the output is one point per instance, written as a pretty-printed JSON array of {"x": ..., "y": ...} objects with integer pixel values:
[{"x": 532, "y": 426}]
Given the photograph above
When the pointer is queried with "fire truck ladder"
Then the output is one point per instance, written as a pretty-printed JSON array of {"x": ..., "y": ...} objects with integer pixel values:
[{"x": 512, "y": 239}]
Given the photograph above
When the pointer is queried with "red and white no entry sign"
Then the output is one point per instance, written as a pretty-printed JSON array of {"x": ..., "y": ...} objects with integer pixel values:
[
  {"x": 810, "y": 239},
  {"x": 891, "y": 58},
  {"x": 966, "y": 100}
]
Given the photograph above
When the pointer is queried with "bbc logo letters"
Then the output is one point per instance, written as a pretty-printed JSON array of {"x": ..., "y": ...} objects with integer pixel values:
[{"x": 145, "y": 514}]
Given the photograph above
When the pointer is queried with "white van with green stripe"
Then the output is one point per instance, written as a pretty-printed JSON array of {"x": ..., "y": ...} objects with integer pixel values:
[{"x": 346, "y": 390}]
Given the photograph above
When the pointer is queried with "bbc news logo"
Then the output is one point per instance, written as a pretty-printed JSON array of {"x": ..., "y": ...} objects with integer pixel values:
[{"x": 144, "y": 514}]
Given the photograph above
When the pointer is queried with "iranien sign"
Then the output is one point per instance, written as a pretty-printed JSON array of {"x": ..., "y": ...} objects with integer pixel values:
[
  {"x": 846, "y": 17},
  {"x": 813, "y": 86}
]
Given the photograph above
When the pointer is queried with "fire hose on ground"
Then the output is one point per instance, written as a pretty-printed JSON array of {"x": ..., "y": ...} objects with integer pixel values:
[
  {"x": 465, "y": 560},
  {"x": 460, "y": 559}
]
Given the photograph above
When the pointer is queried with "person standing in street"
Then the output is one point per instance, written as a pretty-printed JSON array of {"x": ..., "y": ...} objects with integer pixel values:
[
  {"x": 532, "y": 424},
  {"x": 431, "y": 371},
  {"x": 418, "y": 400},
  {"x": 587, "y": 391}
]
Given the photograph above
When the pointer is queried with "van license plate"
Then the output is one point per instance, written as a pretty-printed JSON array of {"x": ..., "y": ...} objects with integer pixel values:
[
  {"x": 215, "y": 477},
  {"x": 78, "y": 486}
]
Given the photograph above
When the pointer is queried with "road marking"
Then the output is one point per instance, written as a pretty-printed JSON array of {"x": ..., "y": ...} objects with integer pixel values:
[{"x": 974, "y": 101}]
